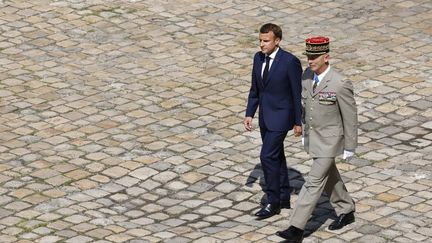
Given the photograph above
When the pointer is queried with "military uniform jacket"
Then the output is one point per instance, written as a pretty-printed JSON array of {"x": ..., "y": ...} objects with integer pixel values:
[{"x": 329, "y": 115}]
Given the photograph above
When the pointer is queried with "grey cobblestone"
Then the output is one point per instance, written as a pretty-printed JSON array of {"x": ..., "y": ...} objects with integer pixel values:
[{"x": 121, "y": 120}]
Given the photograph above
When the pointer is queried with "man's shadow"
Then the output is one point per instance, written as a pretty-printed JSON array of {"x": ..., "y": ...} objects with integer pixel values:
[
  {"x": 296, "y": 180},
  {"x": 323, "y": 210}
]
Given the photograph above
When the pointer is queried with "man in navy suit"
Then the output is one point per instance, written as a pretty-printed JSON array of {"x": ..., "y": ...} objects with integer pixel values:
[{"x": 276, "y": 89}]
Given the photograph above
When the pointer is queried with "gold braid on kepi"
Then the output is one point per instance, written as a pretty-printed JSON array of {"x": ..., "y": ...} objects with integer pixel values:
[{"x": 317, "y": 45}]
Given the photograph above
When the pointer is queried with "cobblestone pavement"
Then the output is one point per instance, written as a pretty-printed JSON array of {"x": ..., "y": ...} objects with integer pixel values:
[{"x": 121, "y": 121}]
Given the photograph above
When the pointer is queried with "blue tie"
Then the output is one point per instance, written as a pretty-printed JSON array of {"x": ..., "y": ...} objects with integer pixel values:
[{"x": 316, "y": 81}]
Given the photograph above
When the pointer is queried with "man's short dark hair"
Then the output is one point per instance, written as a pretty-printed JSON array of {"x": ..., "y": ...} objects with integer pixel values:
[{"x": 277, "y": 31}]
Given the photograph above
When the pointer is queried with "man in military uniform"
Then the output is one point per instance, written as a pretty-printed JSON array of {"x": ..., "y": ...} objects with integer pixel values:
[{"x": 330, "y": 128}]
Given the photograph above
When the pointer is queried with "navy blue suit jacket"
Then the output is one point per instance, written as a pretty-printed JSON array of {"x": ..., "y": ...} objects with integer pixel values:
[{"x": 279, "y": 100}]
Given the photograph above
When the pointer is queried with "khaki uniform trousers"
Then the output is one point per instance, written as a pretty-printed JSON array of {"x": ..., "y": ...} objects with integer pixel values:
[{"x": 323, "y": 176}]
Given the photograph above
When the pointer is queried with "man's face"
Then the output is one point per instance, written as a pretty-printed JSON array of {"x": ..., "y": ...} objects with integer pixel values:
[
  {"x": 318, "y": 63},
  {"x": 268, "y": 42}
]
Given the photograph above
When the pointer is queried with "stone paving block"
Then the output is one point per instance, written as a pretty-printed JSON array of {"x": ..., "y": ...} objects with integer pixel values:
[
  {"x": 76, "y": 219},
  {"x": 119, "y": 105},
  {"x": 388, "y": 197},
  {"x": 58, "y": 180},
  {"x": 49, "y": 239}
]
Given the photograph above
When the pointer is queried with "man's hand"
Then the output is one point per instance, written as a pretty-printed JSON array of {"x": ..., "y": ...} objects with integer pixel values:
[
  {"x": 297, "y": 130},
  {"x": 348, "y": 155},
  {"x": 248, "y": 123}
]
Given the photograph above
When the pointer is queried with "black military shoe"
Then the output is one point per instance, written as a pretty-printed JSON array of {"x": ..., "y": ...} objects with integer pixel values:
[
  {"x": 291, "y": 235},
  {"x": 342, "y": 220}
]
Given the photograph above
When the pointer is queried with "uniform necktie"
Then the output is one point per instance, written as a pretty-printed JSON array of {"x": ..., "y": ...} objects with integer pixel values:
[
  {"x": 266, "y": 69},
  {"x": 316, "y": 81}
]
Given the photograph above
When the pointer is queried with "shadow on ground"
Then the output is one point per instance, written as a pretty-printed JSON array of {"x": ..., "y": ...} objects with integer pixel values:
[{"x": 323, "y": 211}]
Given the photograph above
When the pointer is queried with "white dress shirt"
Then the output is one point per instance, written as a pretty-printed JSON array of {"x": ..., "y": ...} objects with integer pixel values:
[
  {"x": 272, "y": 57},
  {"x": 322, "y": 75}
]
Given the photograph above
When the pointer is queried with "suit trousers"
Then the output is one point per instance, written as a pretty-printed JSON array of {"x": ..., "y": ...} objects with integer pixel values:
[
  {"x": 273, "y": 163},
  {"x": 323, "y": 176}
]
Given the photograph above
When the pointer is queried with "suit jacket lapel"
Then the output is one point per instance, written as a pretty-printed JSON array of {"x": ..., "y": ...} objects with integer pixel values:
[
  {"x": 258, "y": 69},
  {"x": 274, "y": 64}
]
